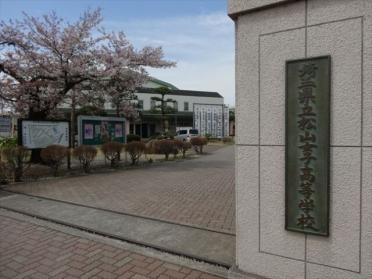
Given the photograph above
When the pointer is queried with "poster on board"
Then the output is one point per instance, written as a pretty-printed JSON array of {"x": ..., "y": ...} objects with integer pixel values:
[
  {"x": 118, "y": 130},
  {"x": 96, "y": 130},
  {"x": 88, "y": 131}
]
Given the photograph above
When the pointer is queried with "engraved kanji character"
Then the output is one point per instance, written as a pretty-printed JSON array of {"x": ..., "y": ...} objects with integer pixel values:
[
  {"x": 306, "y": 205},
  {"x": 306, "y": 123},
  {"x": 306, "y": 221},
  {"x": 308, "y": 71},
  {"x": 306, "y": 95},
  {"x": 307, "y": 137},
  {"x": 306, "y": 189},
  {"x": 307, "y": 174},
  {"x": 307, "y": 152}
]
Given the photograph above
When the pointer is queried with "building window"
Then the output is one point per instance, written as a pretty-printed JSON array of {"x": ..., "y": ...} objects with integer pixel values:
[
  {"x": 186, "y": 106},
  {"x": 140, "y": 104},
  {"x": 153, "y": 104},
  {"x": 175, "y": 105}
]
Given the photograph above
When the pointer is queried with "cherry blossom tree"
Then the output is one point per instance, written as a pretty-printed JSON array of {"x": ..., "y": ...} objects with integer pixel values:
[{"x": 45, "y": 62}]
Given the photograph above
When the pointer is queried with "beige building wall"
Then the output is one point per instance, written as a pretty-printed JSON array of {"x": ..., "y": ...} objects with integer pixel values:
[{"x": 268, "y": 33}]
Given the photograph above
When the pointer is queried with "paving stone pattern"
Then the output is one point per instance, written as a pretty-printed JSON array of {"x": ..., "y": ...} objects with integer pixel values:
[
  {"x": 32, "y": 251},
  {"x": 197, "y": 192}
]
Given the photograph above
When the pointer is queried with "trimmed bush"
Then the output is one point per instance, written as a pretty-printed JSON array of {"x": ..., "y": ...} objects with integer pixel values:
[
  {"x": 3, "y": 173},
  {"x": 135, "y": 150},
  {"x": 150, "y": 149},
  {"x": 178, "y": 145},
  {"x": 17, "y": 159},
  {"x": 85, "y": 154},
  {"x": 132, "y": 137},
  {"x": 198, "y": 143},
  {"x": 185, "y": 146},
  {"x": 166, "y": 147},
  {"x": 53, "y": 156},
  {"x": 151, "y": 146},
  {"x": 112, "y": 150}
]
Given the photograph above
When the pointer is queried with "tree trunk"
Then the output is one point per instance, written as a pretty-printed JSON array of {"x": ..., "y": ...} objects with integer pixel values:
[
  {"x": 72, "y": 121},
  {"x": 72, "y": 130},
  {"x": 18, "y": 173},
  {"x": 118, "y": 115},
  {"x": 35, "y": 156}
]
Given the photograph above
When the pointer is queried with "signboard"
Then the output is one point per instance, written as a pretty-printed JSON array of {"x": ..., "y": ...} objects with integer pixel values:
[
  {"x": 96, "y": 130},
  {"x": 5, "y": 126},
  {"x": 40, "y": 134},
  {"x": 307, "y": 145},
  {"x": 211, "y": 119},
  {"x": 226, "y": 124}
]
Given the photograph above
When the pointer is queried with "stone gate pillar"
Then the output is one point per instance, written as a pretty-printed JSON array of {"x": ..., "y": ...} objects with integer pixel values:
[{"x": 269, "y": 33}]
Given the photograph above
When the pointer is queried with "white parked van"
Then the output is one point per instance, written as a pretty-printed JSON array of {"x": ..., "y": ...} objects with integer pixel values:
[{"x": 186, "y": 134}]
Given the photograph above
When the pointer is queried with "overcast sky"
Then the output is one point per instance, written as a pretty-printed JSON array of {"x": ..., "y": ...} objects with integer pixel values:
[{"x": 197, "y": 34}]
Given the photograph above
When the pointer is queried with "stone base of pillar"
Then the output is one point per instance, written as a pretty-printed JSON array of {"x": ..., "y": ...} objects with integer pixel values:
[{"x": 235, "y": 273}]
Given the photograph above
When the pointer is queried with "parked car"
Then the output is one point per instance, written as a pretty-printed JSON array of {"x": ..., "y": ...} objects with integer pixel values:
[{"x": 186, "y": 134}]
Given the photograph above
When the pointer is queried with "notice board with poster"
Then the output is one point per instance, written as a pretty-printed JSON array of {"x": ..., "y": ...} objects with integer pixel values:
[{"x": 96, "y": 130}]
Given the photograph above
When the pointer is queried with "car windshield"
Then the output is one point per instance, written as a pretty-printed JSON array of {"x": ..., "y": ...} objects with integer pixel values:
[{"x": 194, "y": 131}]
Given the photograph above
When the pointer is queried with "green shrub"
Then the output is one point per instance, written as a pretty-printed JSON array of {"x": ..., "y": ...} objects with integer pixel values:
[
  {"x": 53, "y": 156},
  {"x": 17, "y": 159},
  {"x": 7, "y": 142},
  {"x": 85, "y": 154},
  {"x": 168, "y": 135},
  {"x": 112, "y": 150},
  {"x": 208, "y": 136},
  {"x": 228, "y": 140},
  {"x": 213, "y": 139},
  {"x": 135, "y": 150},
  {"x": 132, "y": 137},
  {"x": 198, "y": 143},
  {"x": 155, "y": 136},
  {"x": 161, "y": 137}
]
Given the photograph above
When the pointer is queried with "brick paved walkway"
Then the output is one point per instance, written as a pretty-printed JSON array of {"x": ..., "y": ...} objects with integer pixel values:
[
  {"x": 197, "y": 192},
  {"x": 33, "y": 251}
]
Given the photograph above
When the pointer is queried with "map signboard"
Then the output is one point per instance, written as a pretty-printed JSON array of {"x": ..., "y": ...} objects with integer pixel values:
[
  {"x": 96, "y": 130},
  {"x": 40, "y": 134},
  {"x": 211, "y": 119}
]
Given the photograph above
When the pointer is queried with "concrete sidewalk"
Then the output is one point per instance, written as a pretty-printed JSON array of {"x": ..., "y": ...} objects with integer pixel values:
[{"x": 209, "y": 246}]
